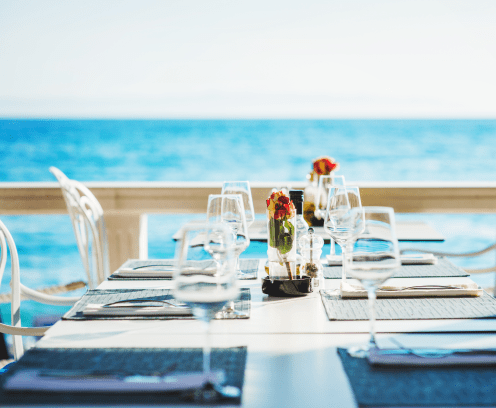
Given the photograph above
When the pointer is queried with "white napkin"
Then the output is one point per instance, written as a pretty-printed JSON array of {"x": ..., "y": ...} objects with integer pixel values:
[
  {"x": 418, "y": 357},
  {"x": 156, "y": 268},
  {"x": 416, "y": 259},
  {"x": 413, "y": 288},
  {"x": 132, "y": 310},
  {"x": 60, "y": 381}
]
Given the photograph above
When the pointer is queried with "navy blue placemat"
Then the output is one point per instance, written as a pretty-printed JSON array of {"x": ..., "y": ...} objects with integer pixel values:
[
  {"x": 443, "y": 268},
  {"x": 125, "y": 362},
  {"x": 419, "y": 386},
  {"x": 242, "y": 305},
  {"x": 421, "y": 308}
]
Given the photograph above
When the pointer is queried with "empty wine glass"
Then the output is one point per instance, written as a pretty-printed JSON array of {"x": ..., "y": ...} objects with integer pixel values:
[
  {"x": 243, "y": 188},
  {"x": 228, "y": 209},
  {"x": 205, "y": 284},
  {"x": 325, "y": 183},
  {"x": 374, "y": 259},
  {"x": 340, "y": 223}
]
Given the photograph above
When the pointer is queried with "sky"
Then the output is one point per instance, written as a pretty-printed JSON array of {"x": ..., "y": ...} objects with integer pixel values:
[{"x": 248, "y": 59}]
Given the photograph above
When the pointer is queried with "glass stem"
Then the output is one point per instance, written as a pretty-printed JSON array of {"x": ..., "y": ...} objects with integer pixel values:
[
  {"x": 206, "y": 351},
  {"x": 372, "y": 296},
  {"x": 347, "y": 250},
  {"x": 333, "y": 247}
]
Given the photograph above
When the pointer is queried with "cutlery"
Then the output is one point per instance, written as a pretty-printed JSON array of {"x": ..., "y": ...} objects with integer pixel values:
[
  {"x": 166, "y": 268},
  {"x": 142, "y": 303},
  {"x": 437, "y": 353},
  {"x": 420, "y": 287}
]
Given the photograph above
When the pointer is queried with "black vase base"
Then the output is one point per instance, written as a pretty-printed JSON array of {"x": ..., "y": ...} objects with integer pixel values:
[{"x": 287, "y": 287}]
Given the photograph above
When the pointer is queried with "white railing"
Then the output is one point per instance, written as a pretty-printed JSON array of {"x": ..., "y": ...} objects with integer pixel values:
[{"x": 126, "y": 204}]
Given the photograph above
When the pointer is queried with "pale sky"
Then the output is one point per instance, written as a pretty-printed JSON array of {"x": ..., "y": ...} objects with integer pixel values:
[{"x": 248, "y": 59}]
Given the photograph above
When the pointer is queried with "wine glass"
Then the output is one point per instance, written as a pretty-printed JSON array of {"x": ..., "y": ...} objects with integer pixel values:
[
  {"x": 228, "y": 209},
  {"x": 374, "y": 259},
  {"x": 205, "y": 284},
  {"x": 326, "y": 182},
  {"x": 340, "y": 223},
  {"x": 243, "y": 188}
]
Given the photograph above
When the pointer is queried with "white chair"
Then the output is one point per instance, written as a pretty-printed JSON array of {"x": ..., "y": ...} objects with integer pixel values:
[
  {"x": 491, "y": 247},
  {"x": 17, "y": 288},
  {"x": 89, "y": 227}
]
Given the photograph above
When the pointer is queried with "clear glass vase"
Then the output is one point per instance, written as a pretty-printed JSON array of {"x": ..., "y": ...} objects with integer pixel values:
[{"x": 281, "y": 248}]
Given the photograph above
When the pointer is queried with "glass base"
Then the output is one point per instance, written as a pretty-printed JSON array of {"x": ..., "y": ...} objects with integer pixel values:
[{"x": 361, "y": 351}]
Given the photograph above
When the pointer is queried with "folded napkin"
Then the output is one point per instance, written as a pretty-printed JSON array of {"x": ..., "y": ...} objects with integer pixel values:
[
  {"x": 432, "y": 357},
  {"x": 157, "y": 268},
  {"x": 136, "y": 309},
  {"x": 417, "y": 259},
  {"x": 401, "y": 289},
  {"x": 80, "y": 381}
]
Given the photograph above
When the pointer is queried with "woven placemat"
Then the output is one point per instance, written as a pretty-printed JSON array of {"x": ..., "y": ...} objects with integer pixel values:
[
  {"x": 248, "y": 266},
  {"x": 419, "y": 386},
  {"x": 105, "y": 296},
  {"x": 410, "y": 308},
  {"x": 443, "y": 268},
  {"x": 125, "y": 362}
]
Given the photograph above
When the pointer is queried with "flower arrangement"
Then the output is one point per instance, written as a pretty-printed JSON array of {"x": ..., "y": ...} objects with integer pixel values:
[
  {"x": 280, "y": 213},
  {"x": 324, "y": 166},
  {"x": 321, "y": 166}
]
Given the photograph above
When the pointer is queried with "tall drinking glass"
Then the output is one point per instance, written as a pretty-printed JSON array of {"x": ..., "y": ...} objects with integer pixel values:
[
  {"x": 340, "y": 222},
  {"x": 228, "y": 209},
  {"x": 201, "y": 282},
  {"x": 243, "y": 188},
  {"x": 374, "y": 259},
  {"x": 325, "y": 183}
]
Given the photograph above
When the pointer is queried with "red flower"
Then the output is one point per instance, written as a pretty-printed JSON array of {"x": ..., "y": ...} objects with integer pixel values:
[
  {"x": 324, "y": 165},
  {"x": 284, "y": 200}
]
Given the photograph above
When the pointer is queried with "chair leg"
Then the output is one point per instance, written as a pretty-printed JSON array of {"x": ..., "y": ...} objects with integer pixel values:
[{"x": 4, "y": 353}]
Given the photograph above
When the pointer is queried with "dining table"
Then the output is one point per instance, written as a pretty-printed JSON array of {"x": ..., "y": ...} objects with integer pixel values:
[{"x": 295, "y": 353}]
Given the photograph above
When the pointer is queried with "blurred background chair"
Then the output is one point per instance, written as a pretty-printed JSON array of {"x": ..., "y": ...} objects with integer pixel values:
[
  {"x": 492, "y": 247},
  {"x": 86, "y": 215}
]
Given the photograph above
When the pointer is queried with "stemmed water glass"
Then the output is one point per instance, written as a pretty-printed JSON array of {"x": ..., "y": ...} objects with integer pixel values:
[
  {"x": 243, "y": 188},
  {"x": 325, "y": 183},
  {"x": 205, "y": 284},
  {"x": 374, "y": 259},
  {"x": 340, "y": 223},
  {"x": 228, "y": 209}
]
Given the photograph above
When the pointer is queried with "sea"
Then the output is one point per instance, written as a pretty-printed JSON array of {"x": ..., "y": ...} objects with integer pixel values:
[{"x": 217, "y": 150}]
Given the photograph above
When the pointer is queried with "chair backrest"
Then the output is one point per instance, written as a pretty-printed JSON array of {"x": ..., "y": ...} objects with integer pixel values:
[
  {"x": 89, "y": 227},
  {"x": 15, "y": 329}
]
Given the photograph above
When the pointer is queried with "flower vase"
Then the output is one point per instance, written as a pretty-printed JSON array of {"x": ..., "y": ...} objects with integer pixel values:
[
  {"x": 282, "y": 248},
  {"x": 322, "y": 166}
]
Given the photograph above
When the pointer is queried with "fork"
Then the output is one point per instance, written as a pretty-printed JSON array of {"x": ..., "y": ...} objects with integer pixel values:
[{"x": 420, "y": 287}]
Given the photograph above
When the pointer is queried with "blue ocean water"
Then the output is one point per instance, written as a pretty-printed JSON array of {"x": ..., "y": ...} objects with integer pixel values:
[{"x": 255, "y": 150}]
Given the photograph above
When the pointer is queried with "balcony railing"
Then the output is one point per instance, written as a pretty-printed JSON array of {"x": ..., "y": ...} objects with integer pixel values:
[{"x": 126, "y": 204}]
